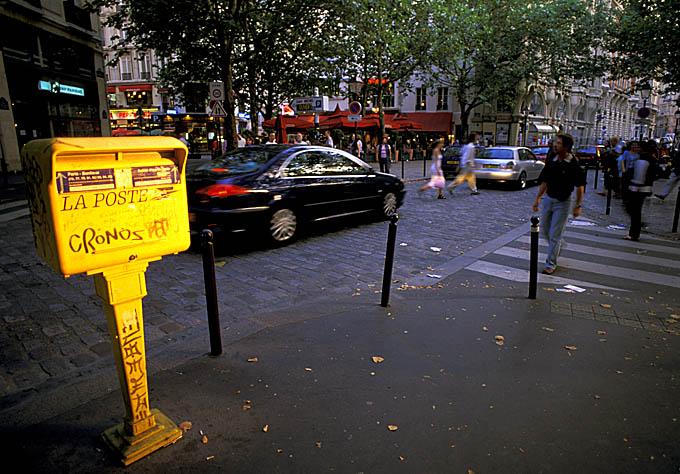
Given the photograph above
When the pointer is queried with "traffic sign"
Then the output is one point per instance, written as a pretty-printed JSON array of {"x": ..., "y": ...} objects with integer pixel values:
[
  {"x": 354, "y": 118},
  {"x": 354, "y": 108},
  {"x": 218, "y": 110},
  {"x": 643, "y": 112},
  {"x": 217, "y": 91},
  {"x": 310, "y": 105}
]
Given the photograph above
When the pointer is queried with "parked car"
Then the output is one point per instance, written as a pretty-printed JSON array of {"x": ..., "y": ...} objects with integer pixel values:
[
  {"x": 589, "y": 156},
  {"x": 275, "y": 188},
  {"x": 451, "y": 160},
  {"x": 540, "y": 151},
  {"x": 508, "y": 164}
]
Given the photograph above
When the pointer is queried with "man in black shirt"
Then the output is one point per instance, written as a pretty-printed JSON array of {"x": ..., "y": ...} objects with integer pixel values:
[{"x": 558, "y": 179}]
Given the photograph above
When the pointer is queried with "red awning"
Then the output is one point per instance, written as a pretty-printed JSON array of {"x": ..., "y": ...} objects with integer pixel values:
[
  {"x": 435, "y": 122},
  {"x": 137, "y": 88},
  {"x": 110, "y": 89}
]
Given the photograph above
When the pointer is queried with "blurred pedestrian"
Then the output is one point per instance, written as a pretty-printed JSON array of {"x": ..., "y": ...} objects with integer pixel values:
[
  {"x": 626, "y": 163},
  {"x": 383, "y": 154},
  {"x": 437, "y": 179},
  {"x": 355, "y": 146},
  {"x": 299, "y": 140},
  {"x": 329, "y": 139},
  {"x": 467, "y": 167},
  {"x": 675, "y": 175},
  {"x": 560, "y": 176},
  {"x": 610, "y": 158},
  {"x": 640, "y": 187},
  {"x": 272, "y": 139},
  {"x": 250, "y": 141}
]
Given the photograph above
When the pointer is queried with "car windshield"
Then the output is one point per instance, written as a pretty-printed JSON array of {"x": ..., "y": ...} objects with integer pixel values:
[
  {"x": 495, "y": 154},
  {"x": 541, "y": 150},
  {"x": 587, "y": 149},
  {"x": 241, "y": 161}
]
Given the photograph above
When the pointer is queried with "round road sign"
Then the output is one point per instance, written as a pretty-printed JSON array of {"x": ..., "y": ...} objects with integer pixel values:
[
  {"x": 354, "y": 108},
  {"x": 643, "y": 112}
]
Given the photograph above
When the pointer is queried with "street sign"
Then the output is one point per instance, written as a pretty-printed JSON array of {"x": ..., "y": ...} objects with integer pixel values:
[
  {"x": 217, "y": 91},
  {"x": 218, "y": 110},
  {"x": 643, "y": 112},
  {"x": 354, "y": 118},
  {"x": 354, "y": 108},
  {"x": 310, "y": 105}
]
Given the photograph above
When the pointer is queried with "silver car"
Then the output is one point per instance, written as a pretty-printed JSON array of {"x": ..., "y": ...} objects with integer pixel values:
[{"x": 508, "y": 164}]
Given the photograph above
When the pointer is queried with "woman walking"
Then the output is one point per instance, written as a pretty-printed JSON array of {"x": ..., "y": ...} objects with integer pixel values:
[
  {"x": 437, "y": 179},
  {"x": 640, "y": 187}
]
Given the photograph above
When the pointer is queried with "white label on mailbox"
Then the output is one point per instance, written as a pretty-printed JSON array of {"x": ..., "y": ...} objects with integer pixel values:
[
  {"x": 123, "y": 177},
  {"x": 85, "y": 180},
  {"x": 155, "y": 175}
]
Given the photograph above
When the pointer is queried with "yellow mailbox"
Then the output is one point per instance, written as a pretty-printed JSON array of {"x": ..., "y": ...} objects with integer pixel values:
[{"x": 109, "y": 206}]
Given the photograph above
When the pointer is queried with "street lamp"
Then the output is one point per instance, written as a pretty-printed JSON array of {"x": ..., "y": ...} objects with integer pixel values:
[{"x": 645, "y": 93}]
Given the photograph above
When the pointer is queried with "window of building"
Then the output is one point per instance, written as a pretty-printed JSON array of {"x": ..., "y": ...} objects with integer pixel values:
[
  {"x": 388, "y": 97},
  {"x": 125, "y": 66},
  {"x": 442, "y": 98},
  {"x": 144, "y": 67},
  {"x": 421, "y": 98}
]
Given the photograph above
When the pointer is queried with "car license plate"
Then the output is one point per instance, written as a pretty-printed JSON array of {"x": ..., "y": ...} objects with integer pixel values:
[
  {"x": 490, "y": 166},
  {"x": 452, "y": 162},
  {"x": 192, "y": 217}
]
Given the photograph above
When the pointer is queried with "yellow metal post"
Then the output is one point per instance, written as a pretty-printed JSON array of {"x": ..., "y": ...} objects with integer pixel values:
[{"x": 143, "y": 430}]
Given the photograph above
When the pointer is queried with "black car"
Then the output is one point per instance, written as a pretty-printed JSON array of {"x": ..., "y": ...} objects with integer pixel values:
[
  {"x": 274, "y": 188},
  {"x": 451, "y": 160}
]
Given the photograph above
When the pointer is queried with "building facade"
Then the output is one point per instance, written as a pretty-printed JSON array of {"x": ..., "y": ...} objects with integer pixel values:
[{"x": 52, "y": 79}]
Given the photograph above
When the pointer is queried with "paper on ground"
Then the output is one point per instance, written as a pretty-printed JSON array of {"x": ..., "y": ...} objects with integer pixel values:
[{"x": 575, "y": 288}]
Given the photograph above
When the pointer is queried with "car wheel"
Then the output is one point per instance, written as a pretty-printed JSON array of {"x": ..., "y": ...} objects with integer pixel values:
[
  {"x": 522, "y": 181},
  {"x": 389, "y": 205},
  {"x": 282, "y": 226}
]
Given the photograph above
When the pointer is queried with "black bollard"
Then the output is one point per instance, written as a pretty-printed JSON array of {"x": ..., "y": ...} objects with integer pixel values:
[
  {"x": 609, "y": 200},
  {"x": 389, "y": 261},
  {"x": 402, "y": 168},
  {"x": 211, "y": 292},
  {"x": 597, "y": 167},
  {"x": 425, "y": 164},
  {"x": 533, "y": 260},
  {"x": 677, "y": 213}
]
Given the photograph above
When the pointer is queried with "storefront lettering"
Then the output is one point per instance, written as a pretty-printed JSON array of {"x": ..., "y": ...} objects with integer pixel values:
[{"x": 91, "y": 240}]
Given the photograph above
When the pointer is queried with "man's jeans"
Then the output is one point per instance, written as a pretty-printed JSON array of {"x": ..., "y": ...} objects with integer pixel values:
[
  {"x": 553, "y": 221},
  {"x": 670, "y": 184}
]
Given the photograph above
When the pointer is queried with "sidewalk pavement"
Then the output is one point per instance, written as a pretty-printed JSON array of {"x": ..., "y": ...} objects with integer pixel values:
[{"x": 464, "y": 376}]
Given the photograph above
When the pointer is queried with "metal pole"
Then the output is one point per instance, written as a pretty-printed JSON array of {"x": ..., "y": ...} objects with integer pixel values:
[
  {"x": 609, "y": 199},
  {"x": 389, "y": 260},
  {"x": 597, "y": 168},
  {"x": 533, "y": 261},
  {"x": 677, "y": 213},
  {"x": 211, "y": 292},
  {"x": 402, "y": 167}
]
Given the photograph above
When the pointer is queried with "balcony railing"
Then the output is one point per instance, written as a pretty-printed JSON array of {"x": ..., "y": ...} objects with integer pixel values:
[{"x": 77, "y": 16}]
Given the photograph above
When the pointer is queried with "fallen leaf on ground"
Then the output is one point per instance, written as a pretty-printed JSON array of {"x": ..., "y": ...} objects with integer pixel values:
[
  {"x": 596, "y": 397},
  {"x": 377, "y": 359},
  {"x": 392, "y": 427},
  {"x": 318, "y": 445},
  {"x": 602, "y": 333},
  {"x": 185, "y": 426},
  {"x": 265, "y": 428},
  {"x": 605, "y": 305},
  {"x": 675, "y": 316},
  {"x": 500, "y": 340},
  {"x": 209, "y": 458},
  {"x": 252, "y": 359},
  {"x": 401, "y": 458},
  {"x": 308, "y": 369},
  {"x": 485, "y": 329},
  {"x": 204, "y": 440},
  {"x": 570, "y": 348},
  {"x": 548, "y": 329}
]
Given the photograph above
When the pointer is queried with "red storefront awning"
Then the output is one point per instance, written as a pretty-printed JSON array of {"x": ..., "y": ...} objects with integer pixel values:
[
  {"x": 136, "y": 88},
  {"x": 111, "y": 89}
]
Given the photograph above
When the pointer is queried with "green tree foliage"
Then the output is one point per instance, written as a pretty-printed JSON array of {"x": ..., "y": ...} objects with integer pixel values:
[
  {"x": 486, "y": 51},
  {"x": 646, "y": 40},
  {"x": 379, "y": 42}
]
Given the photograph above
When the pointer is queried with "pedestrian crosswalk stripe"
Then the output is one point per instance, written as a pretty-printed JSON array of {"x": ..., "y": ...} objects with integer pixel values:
[
  {"x": 11, "y": 204},
  {"x": 624, "y": 243},
  {"x": 587, "y": 266},
  {"x": 522, "y": 276},
  {"x": 618, "y": 232},
  {"x": 14, "y": 215},
  {"x": 601, "y": 252}
]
